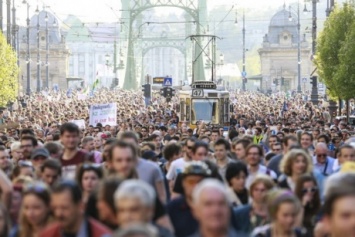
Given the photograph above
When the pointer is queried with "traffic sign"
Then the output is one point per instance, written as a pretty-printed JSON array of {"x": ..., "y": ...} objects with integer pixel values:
[
  {"x": 168, "y": 81},
  {"x": 304, "y": 80},
  {"x": 244, "y": 74}
]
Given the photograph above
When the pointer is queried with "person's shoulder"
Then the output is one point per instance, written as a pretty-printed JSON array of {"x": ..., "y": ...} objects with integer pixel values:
[
  {"x": 98, "y": 228},
  {"x": 261, "y": 231},
  {"x": 240, "y": 210},
  {"x": 275, "y": 160},
  {"x": 52, "y": 230},
  {"x": 176, "y": 202}
]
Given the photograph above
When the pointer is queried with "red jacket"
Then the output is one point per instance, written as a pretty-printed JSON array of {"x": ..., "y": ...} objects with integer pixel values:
[{"x": 96, "y": 230}]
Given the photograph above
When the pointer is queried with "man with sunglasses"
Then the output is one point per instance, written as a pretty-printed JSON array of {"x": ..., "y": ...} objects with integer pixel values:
[{"x": 322, "y": 162}]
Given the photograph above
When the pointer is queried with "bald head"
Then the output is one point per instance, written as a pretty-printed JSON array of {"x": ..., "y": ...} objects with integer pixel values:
[{"x": 321, "y": 152}]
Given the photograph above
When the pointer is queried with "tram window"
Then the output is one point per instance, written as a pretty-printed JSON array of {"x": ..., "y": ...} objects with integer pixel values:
[{"x": 205, "y": 110}]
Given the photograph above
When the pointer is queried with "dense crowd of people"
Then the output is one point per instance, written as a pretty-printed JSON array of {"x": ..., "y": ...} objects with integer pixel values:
[{"x": 284, "y": 168}]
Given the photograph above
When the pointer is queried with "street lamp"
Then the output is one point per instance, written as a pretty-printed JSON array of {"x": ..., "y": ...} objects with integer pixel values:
[
  {"x": 299, "y": 89},
  {"x": 107, "y": 58},
  {"x": 38, "y": 54},
  {"x": 28, "y": 58}
]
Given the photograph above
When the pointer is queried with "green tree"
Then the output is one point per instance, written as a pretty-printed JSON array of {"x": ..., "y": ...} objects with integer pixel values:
[
  {"x": 8, "y": 72},
  {"x": 333, "y": 44},
  {"x": 346, "y": 71}
]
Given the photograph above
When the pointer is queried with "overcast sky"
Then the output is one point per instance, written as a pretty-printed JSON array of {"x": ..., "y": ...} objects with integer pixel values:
[{"x": 109, "y": 10}]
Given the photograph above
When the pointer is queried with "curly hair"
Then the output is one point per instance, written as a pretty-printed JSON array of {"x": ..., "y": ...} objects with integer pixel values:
[{"x": 289, "y": 159}]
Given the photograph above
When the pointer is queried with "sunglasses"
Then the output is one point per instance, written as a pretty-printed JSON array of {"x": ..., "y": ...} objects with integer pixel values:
[
  {"x": 309, "y": 190},
  {"x": 322, "y": 155}
]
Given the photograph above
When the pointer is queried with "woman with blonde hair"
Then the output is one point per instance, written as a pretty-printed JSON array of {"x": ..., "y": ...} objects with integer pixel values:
[
  {"x": 295, "y": 163},
  {"x": 283, "y": 210},
  {"x": 35, "y": 211}
]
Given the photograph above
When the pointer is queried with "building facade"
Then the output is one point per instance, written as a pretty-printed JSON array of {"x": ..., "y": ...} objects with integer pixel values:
[
  {"x": 279, "y": 54},
  {"x": 92, "y": 51},
  {"x": 57, "y": 53}
]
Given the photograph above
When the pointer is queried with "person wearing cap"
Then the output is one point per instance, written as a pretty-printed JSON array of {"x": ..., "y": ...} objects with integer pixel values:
[
  {"x": 38, "y": 156},
  {"x": 179, "y": 209}
]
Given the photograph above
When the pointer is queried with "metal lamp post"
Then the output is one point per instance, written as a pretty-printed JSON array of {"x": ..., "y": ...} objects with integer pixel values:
[
  {"x": 47, "y": 51},
  {"x": 38, "y": 54},
  {"x": 28, "y": 59},
  {"x": 299, "y": 89}
]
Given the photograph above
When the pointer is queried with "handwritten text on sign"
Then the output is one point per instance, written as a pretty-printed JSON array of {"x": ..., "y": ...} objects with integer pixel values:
[{"x": 106, "y": 114}]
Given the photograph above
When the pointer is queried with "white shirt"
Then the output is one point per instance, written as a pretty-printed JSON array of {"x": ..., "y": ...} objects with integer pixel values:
[
  {"x": 262, "y": 170},
  {"x": 176, "y": 167}
]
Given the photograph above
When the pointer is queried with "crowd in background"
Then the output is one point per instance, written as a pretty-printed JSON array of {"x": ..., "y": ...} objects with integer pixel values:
[{"x": 283, "y": 168}]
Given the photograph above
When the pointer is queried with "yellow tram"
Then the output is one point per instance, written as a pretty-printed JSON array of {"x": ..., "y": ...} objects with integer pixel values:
[{"x": 204, "y": 101}]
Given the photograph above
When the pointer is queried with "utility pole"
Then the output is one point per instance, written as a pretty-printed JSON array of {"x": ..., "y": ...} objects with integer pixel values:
[
  {"x": 1, "y": 16},
  {"x": 38, "y": 54},
  {"x": 244, "y": 72},
  {"x": 28, "y": 60},
  {"x": 314, "y": 27},
  {"x": 299, "y": 89},
  {"x": 8, "y": 24},
  {"x": 47, "y": 51},
  {"x": 14, "y": 30}
]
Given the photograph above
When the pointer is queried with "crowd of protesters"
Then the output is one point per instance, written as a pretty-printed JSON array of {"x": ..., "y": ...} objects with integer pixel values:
[{"x": 284, "y": 168}]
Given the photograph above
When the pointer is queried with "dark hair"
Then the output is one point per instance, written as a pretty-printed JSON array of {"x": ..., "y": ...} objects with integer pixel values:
[
  {"x": 106, "y": 191},
  {"x": 110, "y": 141},
  {"x": 316, "y": 204},
  {"x": 260, "y": 149},
  {"x": 269, "y": 156},
  {"x": 69, "y": 127},
  {"x": 199, "y": 144},
  {"x": 56, "y": 136},
  {"x": 122, "y": 144},
  {"x": 151, "y": 145},
  {"x": 234, "y": 169},
  {"x": 307, "y": 134},
  {"x": 129, "y": 135},
  {"x": 71, "y": 186},
  {"x": 245, "y": 143},
  {"x": 223, "y": 142},
  {"x": 52, "y": 164},
  {"x": 326, "y": 138},
  {"x": 33, "y": 140},
  {"x": 232, "y": 134},
  {"x": 288, "y": 138},
  {"x": 343, "y": 147},
  {"x": 275, "y": 136},
  {"x": 27, "y": 132},
  {"x": 163, "y": 128},
  {"x": 87, "y": 167},
  {"x": 53, "y": 147},
  {"x": 170, "y": 150}
]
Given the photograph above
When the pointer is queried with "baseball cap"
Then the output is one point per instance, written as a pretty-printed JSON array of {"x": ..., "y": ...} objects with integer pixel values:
[
  {"x": 196, "y": 168},
  {"x": 39, "y": 152}
]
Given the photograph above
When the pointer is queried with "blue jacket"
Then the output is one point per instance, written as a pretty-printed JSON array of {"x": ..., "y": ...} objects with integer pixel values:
[{"x": 242, "y": 220}]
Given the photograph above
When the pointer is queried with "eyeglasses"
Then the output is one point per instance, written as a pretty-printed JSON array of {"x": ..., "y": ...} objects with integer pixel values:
[
  {"x": 309, "y": 190},
  {"x": 190, "y": 147},
  {"x": 321, "y": 155}
]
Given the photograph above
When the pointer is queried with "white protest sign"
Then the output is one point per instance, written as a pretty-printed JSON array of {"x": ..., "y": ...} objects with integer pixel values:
[
  {"x": 82, "y": 96},
  {"x": 80, "y": 123},
  {"x": 106, "y": 114}
]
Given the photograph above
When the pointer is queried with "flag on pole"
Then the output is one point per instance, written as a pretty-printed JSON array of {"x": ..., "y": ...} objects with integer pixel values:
[{"x": 96, "y": 82}]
